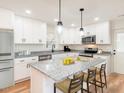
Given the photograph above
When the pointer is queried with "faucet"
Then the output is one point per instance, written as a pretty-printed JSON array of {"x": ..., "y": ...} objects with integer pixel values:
[{"x": 53, "y": 46}]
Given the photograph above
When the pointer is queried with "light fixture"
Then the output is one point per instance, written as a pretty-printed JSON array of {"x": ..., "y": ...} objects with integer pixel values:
[
  {"x": 96, "y": 19},
  {"x": 59, "y": 23},
  {"x": 81, "y": 29},
  {"x": 28, "y": 11}
]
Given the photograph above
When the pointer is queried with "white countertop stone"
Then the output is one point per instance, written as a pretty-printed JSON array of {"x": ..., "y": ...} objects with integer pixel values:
[{"x": 57, "y": 71}]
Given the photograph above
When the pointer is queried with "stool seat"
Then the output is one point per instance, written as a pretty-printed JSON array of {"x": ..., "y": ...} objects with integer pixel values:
[
  {"x": 70, "y": 85},
  {"x": 64, "y": 86},
  {"x": 85, "y": 76}
]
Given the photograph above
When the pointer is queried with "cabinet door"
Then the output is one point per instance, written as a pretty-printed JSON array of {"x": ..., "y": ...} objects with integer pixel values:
[
  {"x": 90, "y": 30},
  {"x": 39, "y": 32},
  {"x": 6, "y": 19},
  {"x": 77, "y": 37},
  {"x": 43, "y": 32},
  {"x": 29, "y": 61},
  {"x": 63, "y": 37},
  {"x": 103, "y": 33},
  {"x": 19, "y": 30},
  {"x": 20, "y": 70},
  {"x": 28, "y": 30},
  {"x": 22, "y": 67}
]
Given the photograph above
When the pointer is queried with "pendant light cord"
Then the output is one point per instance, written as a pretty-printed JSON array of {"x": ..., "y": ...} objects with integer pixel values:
[
  {"x": 81, "y": 20},
  {"x": 59, "y": 10}
]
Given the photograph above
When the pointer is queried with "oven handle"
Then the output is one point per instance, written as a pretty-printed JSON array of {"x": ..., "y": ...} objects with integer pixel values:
[{"x": 5, "y": 69}]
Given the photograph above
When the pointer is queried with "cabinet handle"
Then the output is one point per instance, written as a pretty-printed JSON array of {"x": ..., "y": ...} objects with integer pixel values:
[
  {"x": 40, "y": 40},
  {"x": 101, "y": 41},
  {"x": 33, "y": 59},
  {"x": 88, "y": 33},
  {"x": 28, "y": 65},
  {"x": 23, "y": 40},
  {"x": 22, "y": 60}
]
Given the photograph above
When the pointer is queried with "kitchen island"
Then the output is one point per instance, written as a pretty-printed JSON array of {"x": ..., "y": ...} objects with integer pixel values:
[{"x": 45, "y": 73}]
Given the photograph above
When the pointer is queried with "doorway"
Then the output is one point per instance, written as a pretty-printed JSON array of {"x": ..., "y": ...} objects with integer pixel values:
[{"x": 119, "y": 50}]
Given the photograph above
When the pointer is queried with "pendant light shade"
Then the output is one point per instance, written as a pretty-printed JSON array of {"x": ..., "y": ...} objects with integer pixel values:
[
  {"x": 81, "y": 28},
  {"x": 59, "y": 23}
]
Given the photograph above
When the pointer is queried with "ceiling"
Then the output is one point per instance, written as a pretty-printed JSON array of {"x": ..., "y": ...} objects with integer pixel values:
[{"x": 47, "y": 10}]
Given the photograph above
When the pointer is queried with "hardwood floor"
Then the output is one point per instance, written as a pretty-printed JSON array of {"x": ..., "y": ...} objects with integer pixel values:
[
  {"x": 115, "y": 85},
  {"x": 23, "y": 87}
]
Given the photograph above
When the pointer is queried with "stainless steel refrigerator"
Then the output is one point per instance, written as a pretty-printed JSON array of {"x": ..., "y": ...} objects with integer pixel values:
[{"x": 6, "y": 58}]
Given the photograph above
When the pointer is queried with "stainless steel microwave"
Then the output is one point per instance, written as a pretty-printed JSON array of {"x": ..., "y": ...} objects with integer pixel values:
[{"x": 89, "y": 39}]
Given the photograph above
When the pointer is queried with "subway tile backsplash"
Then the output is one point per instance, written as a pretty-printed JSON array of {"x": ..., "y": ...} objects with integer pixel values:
[
  {"x": 30, "y": 47},
  {"x": 35, "y": 47}
]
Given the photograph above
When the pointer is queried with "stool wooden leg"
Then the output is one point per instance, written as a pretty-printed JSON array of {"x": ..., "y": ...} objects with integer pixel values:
[
  {"x": 54, "y": 88},
  {"x": 82, "y": 87},
  {"x": 105, "y": 79},
  {"x": 88, "y": 91},
  {"x": 101, "y": 82},
  {"x": 81, "y": 90}
]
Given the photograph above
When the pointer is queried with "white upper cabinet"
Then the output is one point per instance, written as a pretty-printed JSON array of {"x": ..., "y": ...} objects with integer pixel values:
[
  {"x": 19, "y": 30},
  {"x": 70, "y": 36},
  {"x": 90, "y": 30},
  {"x": 30, "y": 31},
  {"x": 6, "y": 19},
  {"x": 39, "y": 32},
  {"x": 101, "y": 30},
  {"x": 103, "y": 33},
  {"x": 28, "y": 26}
]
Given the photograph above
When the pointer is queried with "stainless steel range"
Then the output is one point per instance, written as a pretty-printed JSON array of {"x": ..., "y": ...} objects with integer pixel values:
[
  {"x": 6, "y": 58},
  {"x": 88, "y": 52}
]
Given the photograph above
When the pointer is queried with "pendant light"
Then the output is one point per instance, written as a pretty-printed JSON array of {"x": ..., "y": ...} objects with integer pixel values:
[
  {"x": 81, "y": 29},
  {"x": 59, "y": 23}
]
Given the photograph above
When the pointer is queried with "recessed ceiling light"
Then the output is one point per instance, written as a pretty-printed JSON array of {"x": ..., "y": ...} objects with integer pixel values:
[
  {"x": 73, "y": 25},
  {"x": 28, "y": 11},
  {"x": 56, "y": 20},
  {"x": 96, "y": 18}
]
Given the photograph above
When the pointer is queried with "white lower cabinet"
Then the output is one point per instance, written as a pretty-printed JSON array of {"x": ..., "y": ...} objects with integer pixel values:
[
  {"x": 108, "y": 62},
  {"x": 22, "y": 68}
]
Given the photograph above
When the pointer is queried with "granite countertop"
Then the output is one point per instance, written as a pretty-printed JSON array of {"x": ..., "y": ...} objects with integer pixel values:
[
  {"x": 54, "y": 53},
  {"x": 43, "y": 53},
  {"x": 57, "y": 71}
]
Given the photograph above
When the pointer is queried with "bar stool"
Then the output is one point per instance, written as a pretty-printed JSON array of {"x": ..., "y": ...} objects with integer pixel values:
[
  {"x": 70, "y": 85},
  {"x": 100, "y": 74},
  {"x": 89, "y": 78}
]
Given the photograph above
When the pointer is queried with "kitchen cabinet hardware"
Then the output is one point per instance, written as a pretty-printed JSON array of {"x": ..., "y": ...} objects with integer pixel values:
[
  {"x": 22, "y": 60},
  {"x": 40, "y": 40},
  {"x": 33, "y": 59}
]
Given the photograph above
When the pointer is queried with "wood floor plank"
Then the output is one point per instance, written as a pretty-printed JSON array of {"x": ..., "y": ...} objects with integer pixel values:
[{"x": 115, "y": 85}]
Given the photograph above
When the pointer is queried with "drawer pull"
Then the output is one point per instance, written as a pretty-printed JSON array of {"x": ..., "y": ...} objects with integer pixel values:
[
  {"x": 28, "y": 65},
  {"x": 21, "y": 60},
  {"x": 33, "y": 59}
]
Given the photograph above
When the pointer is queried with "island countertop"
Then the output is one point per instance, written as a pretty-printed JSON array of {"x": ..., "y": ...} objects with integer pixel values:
[{"x": 57, "y": 71}]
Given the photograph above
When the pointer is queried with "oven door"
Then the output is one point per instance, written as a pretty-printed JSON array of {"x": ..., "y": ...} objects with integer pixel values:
[{"x": 6, "y": 44}]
